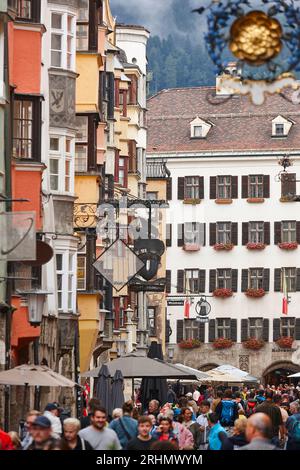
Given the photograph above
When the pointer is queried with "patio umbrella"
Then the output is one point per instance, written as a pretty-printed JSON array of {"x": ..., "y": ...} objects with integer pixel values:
[
  {"x": 103, "y": 389},
  {"x": 198, "y": 373},
  {"x": 294, "y": 375},
  {"x": 235, "y": 372},
  {"x": 154, "y": 388},
  {"x": 117, "y": 390},
  {"x": 218, "y": 376}
]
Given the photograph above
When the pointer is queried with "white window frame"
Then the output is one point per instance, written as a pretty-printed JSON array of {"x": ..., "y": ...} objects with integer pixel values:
[
  {"x": 256, "y": 232},
  {"x": 191, "y": 329},
  {"x": 62, "y": 156},
  {"x": 223, "y": 232},
  {"x": 191, "y": 187},
  {"x": 223, "y": 328},
  {"x": 256, "y": 278},
  {"x": 291, "y": 279},
  {"x": 65, "y": 34},
  {"x": 289, "y": 231},
  {"x": 225, "y": 276},
  {"x": 224, "y": 182},
  {"x": 192, "y": 280},
  {"x": 256, "y": 186},
  {"x": 68, "y": 270},
  {"x": 256, "y": 326},
  {"x": 198, "y": 131},
  {"x": 287, "y": 326}
]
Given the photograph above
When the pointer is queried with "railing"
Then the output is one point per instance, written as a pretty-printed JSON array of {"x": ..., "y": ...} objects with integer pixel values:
[
  {"x": 85, "y": 215},
  {"x": 157, "y": 170}
]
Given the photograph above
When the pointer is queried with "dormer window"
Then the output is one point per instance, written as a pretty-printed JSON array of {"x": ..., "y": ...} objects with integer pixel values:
[
  {"x": 281, "y": 126},
  {"x": 198, "y": 131},
  {"x": 200, "y": 128},
  {"x": 279, "y": 129}
]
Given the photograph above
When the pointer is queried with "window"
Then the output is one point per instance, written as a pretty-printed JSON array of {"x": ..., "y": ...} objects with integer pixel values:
[
  {"x": 223, "y": 232},
  {"x": 256, "y": 328},
  {"x": 61, "y": 164},
  {"x": 28, "y": 10},
  {"x": 287, "y": 327},
  {"x": 288, "y": 232},
  {"x": 224, "y": 187},
  {"x": 279, "y": 129},
  {"x": 198, "y": 131},
  {"x": 291, "y": 279},
  {"x": 256, "y": 278},
  {"x": 27, "y": 128},
  {"x": 191, "y": 187},
  {"x": 288, "y": 184},
  {"x": 192, "y": 284},
  {"x": 62, "y": 41},
  {"x": 223, "y": 328},
  {"x": 81, "y": 154},
  {"x": 65, "y": 274},
  {"x": 191, "y": 329},
  {"x": 123, "y": 171},
  {"x": 151, "y": 311},
  {"x": 89, "y": 16},
  {"x": 256, "y": 232},
  {"x": 192, "y": 233},
  {"x": 224, "y": 279},
  {"x": 256, "y": 186},
  {"x": 81, "y": 272},
  {"x": 152, "y": 196},
  {"x": 123, "y": 102}
]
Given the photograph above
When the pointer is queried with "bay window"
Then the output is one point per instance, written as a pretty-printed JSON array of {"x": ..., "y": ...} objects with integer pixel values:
[
  {"x": 27, "y": 127},
  {"x": 89, "y": 17},
  {"x": 28, "y": 10},
  {"x": 61, "y": 164},
  {"x": 66, "y": 281},
  {"x": 62, "y": 41}
]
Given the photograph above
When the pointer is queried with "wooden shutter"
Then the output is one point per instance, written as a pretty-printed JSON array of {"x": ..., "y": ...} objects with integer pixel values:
[
  {"x": 212, "y": 280},
  {"x": 180, "y": 234},
  {"x": 298, "y": 232},
  {"x": 180, "y": 195},
  {"x": 266, "y": 280},
  {"x": 213, "y": 187},
  {"x": 267, "y": 233},
  {"x": 234, "y": 187},
  {"x": 297, "y": 329},
  {"x": 266, "y": 329},
  {"x": 202, "y": 234},
  {"x": 277, "y": 280},
  {"x": 276, "y": 329},
  {"x": 117, "y": 92},
  {"x": 132, "y": 156},
  {"x": 298, "y": 281},
  {"x": 288, "y": 184},
  {"x": 266, "y": 186},
  {"x": 169, "y": 189},
  {"x": 277, "y": 233},
  {"x": 92, "y": 142},
  {"x": 212, "y": 234},
  {"x": 168, "y": 281},
  {"x": 211, "y": 330},
  {"x": 111, "y": 95},
  {"x": 111, "y": 186},
  {"x": 132, "y": 89},
  {"x": 167, "y": 338},
  {"x": 233, "y": 330},
  {"x": 234, "y": 233},
  {"x": 116, "y": 301},
  {"x": 201, "y": 332},
  {"x": 201, "y": 187},
  {"x": 245, "y": 233},
  {"x": 234, "y": 280},
  {"x": 244, "y": 329},
  {"x": 180, "y": 330},
  {"x": 245, "y": 190},
  {"x": 180, "y": 280},
  {"x": 202, "y": 280},
  {"x": 169, "y": 235},
  {"x": 245, "y": 279}
]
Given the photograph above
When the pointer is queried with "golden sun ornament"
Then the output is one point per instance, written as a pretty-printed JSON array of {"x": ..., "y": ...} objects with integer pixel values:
[{"x": 256, "y": 38}]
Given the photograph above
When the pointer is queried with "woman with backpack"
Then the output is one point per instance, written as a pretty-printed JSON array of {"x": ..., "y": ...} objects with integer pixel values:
[
  {"x": 293, "y": 427},
  {"x": 227, "y": 410}
]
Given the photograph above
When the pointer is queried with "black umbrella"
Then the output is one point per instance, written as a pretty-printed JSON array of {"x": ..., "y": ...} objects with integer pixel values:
[
  {"x": 103, "y": 389},
  {"x": 117, "y": 390},
  {"x": 154, "y": 388}
]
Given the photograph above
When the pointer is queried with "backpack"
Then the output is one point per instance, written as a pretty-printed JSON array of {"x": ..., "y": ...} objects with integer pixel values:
[
  {"x": 251, "y": 408},
  {"x": 295, "y": 433},
  {"x": 227, "y": 414}
]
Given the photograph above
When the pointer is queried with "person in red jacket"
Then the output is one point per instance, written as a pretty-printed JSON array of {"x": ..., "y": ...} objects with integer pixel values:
[{"x": 5, "y": 441}]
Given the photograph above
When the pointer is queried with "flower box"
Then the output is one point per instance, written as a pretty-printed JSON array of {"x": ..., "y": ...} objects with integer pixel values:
[
  {"x": 190, "y": 344},
  {"x": 256, "y": 246},
  {"x": 223, "y": 246},
  {"x": 256, "y": 293},
  {"x": 223, "y": 201},
  {"x": 191, "y": 247},
  {"x": 288, "y": 246},
  {"x": 255, "y": 200},
  {"x": 192, "y": 201},
  {"x": 254, "y": 344},
  {"x": 223, "y": 293},
  {"x": 287, "y": 199},
  {"x": 285, "y": 342},
  {"x": 222, "y": 343}
]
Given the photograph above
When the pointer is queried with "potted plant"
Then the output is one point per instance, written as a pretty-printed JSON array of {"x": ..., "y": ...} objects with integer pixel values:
[
  {"x": 223, "y": 293},
  {"x": 255, "y": 293},
  {"x": 190, "y": 344},
  {"x": 223, "y": 246},
  {"x": 255, "y": 200},
  {"x": 288, "y": 245},
  {"x": 255, "y": 246},
  {"x": 222, "y": 343},
  {"x": 253, "y": 344},
  {"x": 285, "y": 342},
  {"x": 192, "y": 201}
]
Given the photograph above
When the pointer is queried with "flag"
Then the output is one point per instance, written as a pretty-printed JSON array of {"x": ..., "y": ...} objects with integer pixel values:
[
  {"x": 187, "y": 306},
  {"x": 285, "y": 300}
]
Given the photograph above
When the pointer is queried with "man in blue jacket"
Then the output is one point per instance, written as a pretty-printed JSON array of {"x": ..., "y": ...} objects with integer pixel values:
[{"x": 125, "y": 427}]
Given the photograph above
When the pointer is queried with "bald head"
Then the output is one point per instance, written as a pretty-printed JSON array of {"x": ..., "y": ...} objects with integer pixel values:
[{"x": 259, "y": 426}]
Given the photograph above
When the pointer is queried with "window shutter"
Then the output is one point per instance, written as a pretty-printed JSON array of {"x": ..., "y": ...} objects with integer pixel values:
[
  {"x": 244, "y": 280},
  {"x": 266, "y": 329},
  {"x": 132, "y": 156},
  {"x": 266, "y": 280},
  {"x": 234, "y": 233},
  {"x": 288, "y": 185},
  {"x": 212, "y": 280},
  {"x": 202, "y": 280},
  {"x": 267, "y": 233},
  {"x": 201, "y": 332},
  {"x": 211, "y": 330},
  {"x": 201, "y": 187},
  {"x": 244, "y": 329},
  {"x": 277, "y": 280},
  {"x": 233, "y": 330},
  {"x": 180, "y": 195},
  {"x": 245, "y": 190},
  {"x": 117, "y": 312},
  {"x": 298, "y": 232},
  {"x": 168, "y": 281},
  {"x": 169, "y": 189},
  {"x": 180, "y": 234},
  {"x": 245, "y": 233},
  {"x": 169, "y": 235},
  {"x": 179, "y": 331},
  {"x": 180, "y": 278},
  {"x": 276, "y": 329},
  {"x": 213, "y": 187},
  {"x": 117, "y": 91},
  {"x": 111, "y": 186},
  {"x": 277, "y": 233},
  {"x": 212, "y": 234},
  {"x": 298, "y": 281},
  {"x": 234, "y": 280},
  {"x": 234, "y": 187},
  {"x": 111, "y": 95},
  {"x": 266, "y": 186},
  {"x": 202, "y": 234},
  {"x": 167, "y": 331},
  {"x": 297, "y": 329}
]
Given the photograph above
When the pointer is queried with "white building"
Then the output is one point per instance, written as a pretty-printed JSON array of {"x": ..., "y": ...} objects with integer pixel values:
[{"x": 226, "y": 193}]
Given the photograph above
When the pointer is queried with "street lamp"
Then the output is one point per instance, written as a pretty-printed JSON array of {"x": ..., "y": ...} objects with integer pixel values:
[
  {"x": 129, "y": 314},
  {"x": 36, "y": 301}
]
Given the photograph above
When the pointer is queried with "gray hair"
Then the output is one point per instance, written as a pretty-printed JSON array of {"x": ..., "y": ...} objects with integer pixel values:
[
  {"x": 166, "y": 414},
  {"x": 295, "y": 405},
  {"x": 74, "y": 422},
  {"x": 262, "y": 423},
  {"x": 117, "y": 413}
]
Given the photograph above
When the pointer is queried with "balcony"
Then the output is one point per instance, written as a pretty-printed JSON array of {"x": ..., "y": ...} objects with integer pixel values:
[{"x": 157, "y": 170}]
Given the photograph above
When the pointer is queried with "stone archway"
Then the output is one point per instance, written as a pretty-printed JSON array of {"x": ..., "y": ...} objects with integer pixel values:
[
  {"x": 278, "y": 371},
  {"x": 207, "y": 367}
]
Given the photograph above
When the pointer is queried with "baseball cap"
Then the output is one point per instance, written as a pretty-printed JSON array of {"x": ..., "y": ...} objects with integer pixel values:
[
  {"x": 42, "y": 422},
  {"x": 51, "y": 407},
  {"x": 189, "y": 394}
]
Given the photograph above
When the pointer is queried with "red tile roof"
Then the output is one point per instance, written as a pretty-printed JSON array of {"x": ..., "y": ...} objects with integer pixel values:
[{"x": 238, "y": 124}]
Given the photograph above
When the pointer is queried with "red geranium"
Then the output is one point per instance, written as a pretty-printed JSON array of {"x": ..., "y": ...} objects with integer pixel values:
[
  {"x": 223, "y": 292},
  {"x": 288, "y": 246},
  {"x": 256, "y": 246},
  {"x": 254, "y": 344},
  {"x": 222, "y": 343},
  {"x": 223, "y": 246},
  {"x": 190, "y": 344},
  {"x": 255, "y": 292},
  {"x": 285, "y": 342}
]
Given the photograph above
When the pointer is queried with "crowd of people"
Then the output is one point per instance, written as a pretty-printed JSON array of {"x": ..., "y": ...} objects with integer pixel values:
[{"x": 204, "y": 419}]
